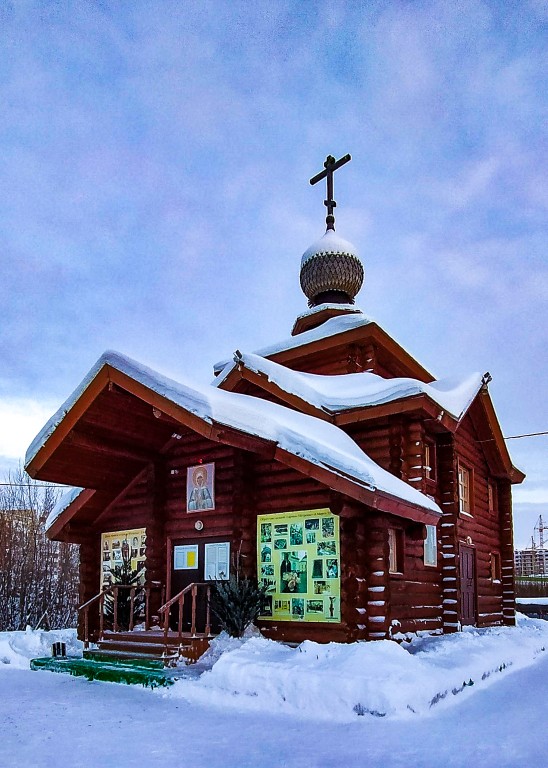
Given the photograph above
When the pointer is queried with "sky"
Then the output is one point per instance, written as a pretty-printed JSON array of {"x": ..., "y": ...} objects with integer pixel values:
[{"x": 154, "y": 195}]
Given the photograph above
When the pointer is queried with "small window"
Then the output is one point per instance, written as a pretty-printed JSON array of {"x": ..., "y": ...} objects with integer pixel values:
[
  {"x": 431, "y": 546},
  {"x": 496, "y": 571},
  {"x": 429, "y": 460},
  {"x": 395, "y": 543},
  {"x": 492, "y": 497},
  {"x": 465, "y": 490}
]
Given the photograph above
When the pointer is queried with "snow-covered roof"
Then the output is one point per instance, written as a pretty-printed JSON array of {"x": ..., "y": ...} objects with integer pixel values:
[
  {"x": 64, "y": 502},
  {"x": 331, "y": 327},
  {"x": 350, "y": 309},
  {"x": 342, "y": 392},
  {"x": 306, "y": 437}
]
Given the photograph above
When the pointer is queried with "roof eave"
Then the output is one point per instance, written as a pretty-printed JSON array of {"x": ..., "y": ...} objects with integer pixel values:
[
  {"x": 514, "y": 474},
  {"x": 68, "y": 513},
  {"x": 67, "y": 422},
  {"x": 374, "y": 498},
  {"x": 342, "y": 417},
  {"x": 420, "y": 402},
  {"x": 352, "y": 335},
  {"x": 329, "y": 476}
]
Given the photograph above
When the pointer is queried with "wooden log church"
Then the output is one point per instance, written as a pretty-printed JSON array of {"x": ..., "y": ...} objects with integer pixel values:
[{"x": 369, "y": 498}]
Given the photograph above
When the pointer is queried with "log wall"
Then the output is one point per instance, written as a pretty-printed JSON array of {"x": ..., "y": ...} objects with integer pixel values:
[
  {"x": 504, "y": 499},
  {"x": 350, "y": 359},
  {"x": 374, "y": 603},
  {"x": 416, "y": 600},
  {"x": 483, "y": 528},
  {"x": 90, "y": 572}
]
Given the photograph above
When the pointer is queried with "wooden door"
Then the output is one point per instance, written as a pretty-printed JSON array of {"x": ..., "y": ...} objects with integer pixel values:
[
  {"x": 467, "y": 558},
  {"x": 191, "y": 558}
]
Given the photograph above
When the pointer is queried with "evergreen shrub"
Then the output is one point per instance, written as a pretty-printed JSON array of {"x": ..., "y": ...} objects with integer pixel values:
[{"x": 236, "y": 603}]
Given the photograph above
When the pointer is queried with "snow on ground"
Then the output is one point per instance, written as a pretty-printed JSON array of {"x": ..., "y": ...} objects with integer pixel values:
[
  {"x": 18, "y": 648},
  {"x": 532, "y": 600},
  {"x": 336, "y": 682},
  {"x": 225, "y": 718}
]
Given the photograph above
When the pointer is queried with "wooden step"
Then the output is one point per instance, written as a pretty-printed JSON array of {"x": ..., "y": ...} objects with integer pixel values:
[
  {"x": 141, "y": 648},
  {"x": 146, "y": 661},
  {"x": 153, "y": 636},
  {"x": 153, "y": 646}
]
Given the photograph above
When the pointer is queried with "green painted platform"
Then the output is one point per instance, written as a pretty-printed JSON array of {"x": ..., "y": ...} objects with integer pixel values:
[{"x": 111, "y": 668}]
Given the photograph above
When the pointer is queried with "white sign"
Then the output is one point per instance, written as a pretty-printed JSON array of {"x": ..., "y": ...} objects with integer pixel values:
[
  {"x": 217, "y": 559},
  {"x": 185, "y": 557}
]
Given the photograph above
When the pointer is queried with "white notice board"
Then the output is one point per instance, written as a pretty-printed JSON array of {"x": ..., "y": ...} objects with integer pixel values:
[
  {"x": 185, "y": 557},
  {"x": 217, "y": 559}
]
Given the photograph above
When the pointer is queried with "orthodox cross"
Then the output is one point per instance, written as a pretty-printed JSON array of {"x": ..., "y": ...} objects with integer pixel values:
[{"x": 330, "y": 165}]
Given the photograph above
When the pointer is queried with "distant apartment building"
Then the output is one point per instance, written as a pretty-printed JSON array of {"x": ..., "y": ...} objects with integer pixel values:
[{"x": 531, "y": 562}]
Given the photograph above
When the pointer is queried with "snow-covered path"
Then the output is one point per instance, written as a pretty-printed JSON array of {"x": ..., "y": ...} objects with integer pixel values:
[{"x": 52, "y": 720}]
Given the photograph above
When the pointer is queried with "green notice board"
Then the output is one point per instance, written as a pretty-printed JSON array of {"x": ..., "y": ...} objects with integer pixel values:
[{"x": 298, "y": 560}]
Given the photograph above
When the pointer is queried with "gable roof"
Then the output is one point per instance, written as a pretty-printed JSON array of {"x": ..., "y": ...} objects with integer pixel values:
[
  {"x": 347, "y": 398},
  {"x": 334, "y": 394},
  {"x": 338, "y": 331},
  {"x": 308, "y": 444}
]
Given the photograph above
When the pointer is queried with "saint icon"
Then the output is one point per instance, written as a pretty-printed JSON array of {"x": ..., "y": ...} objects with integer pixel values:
[{"x": 200, "y": 487}]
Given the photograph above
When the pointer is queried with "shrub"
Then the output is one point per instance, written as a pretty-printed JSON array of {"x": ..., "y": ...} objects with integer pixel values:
[
  {"x": 123, "y": 574},
  {"x": 236, "y": 603}
]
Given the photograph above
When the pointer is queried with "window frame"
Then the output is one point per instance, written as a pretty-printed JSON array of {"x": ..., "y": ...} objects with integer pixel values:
[
  {"x": 430, "y": 466},
  {"x": 462, "y": 467},
  {"x": 396, "y": 549},
  {"x": 431, "y": 539},
  {"x": 496, "y": 567}
]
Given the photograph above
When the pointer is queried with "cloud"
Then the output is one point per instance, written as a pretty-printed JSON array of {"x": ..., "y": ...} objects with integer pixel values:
[
  {"x": 20, "y": 421},
  {"x": 530, "y": 495},
  {"x": 155, "y": 197}
]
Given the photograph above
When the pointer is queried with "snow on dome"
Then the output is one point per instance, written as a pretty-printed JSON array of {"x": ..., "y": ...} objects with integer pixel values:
[
  {"x": 331, "y": 271},
  {"x": 330, "y": 242}
]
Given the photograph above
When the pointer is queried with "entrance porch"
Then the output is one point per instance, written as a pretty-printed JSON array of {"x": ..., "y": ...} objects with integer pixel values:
[{"x": 179, "y": 629}]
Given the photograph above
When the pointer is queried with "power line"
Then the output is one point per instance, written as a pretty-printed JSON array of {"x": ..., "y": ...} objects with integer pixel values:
[
  {"x": 34, "y": 485},
  {"x": 512, "y": 437},
  {"x": 531, "y": 434}
]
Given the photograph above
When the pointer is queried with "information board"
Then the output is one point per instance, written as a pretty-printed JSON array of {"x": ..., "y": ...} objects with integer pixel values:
[
  {"x": 217, "y": 558},
  {"x": 298, "y": 561},
  {"x": 185, "y": 557}
]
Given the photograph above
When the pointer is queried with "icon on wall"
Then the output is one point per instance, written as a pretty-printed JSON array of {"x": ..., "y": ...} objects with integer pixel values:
[{"x": 200, "y": 487}]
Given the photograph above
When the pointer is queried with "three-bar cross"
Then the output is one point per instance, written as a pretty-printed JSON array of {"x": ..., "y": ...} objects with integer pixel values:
[{"x": 330, "y": 165}]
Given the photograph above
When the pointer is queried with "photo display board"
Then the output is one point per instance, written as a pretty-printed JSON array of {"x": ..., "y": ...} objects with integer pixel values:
[
  {"x": 298, "y": 560},
  {"x": 117, "y": 544}
]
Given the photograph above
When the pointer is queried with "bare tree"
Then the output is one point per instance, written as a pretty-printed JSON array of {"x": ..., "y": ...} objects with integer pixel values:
[{"x": 38, "y": 577}]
